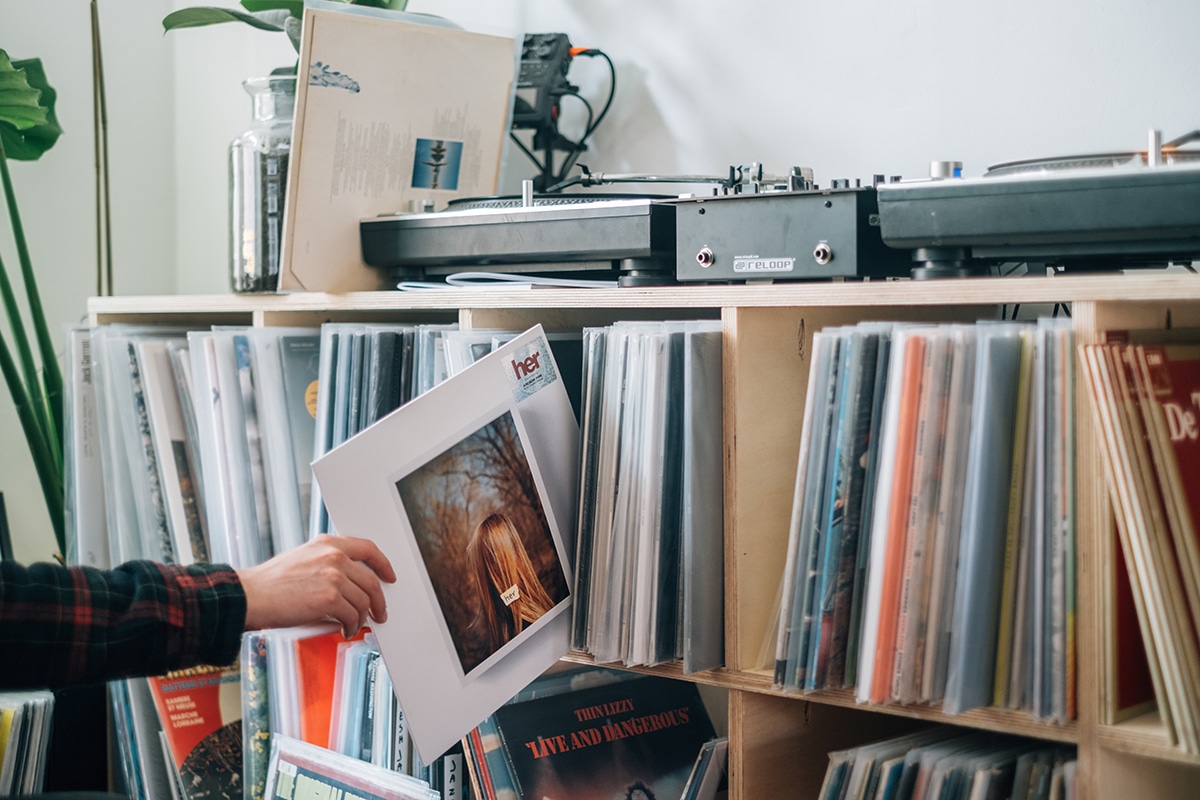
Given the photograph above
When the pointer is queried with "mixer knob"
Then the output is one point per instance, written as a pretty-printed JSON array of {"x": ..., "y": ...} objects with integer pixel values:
[{"x": 939, "y": 170}]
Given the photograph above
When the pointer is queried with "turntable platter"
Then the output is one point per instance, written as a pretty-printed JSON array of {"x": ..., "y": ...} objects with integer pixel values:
[
  {"x": 1171, "y": 153},
  {"x": 515, "y": 201}
]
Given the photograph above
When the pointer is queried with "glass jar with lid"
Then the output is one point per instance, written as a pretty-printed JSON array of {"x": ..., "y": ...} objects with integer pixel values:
[{"x": 258, "y": 164}]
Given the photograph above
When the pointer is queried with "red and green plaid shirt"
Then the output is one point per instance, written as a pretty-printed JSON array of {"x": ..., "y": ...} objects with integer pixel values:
[{"x": 70, "y": 625}]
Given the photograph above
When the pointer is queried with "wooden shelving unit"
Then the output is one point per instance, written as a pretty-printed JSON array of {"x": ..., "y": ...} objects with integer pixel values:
[{"x": 778, "y": 740}]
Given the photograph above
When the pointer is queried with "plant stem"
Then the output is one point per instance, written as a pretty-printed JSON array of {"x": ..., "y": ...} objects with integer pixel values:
[
  {"x": 31, "y": 385},
  {"x": 48, "y": 470},
  {"x": 104, "y": 275},
  {"x": 48, "y": 404}
]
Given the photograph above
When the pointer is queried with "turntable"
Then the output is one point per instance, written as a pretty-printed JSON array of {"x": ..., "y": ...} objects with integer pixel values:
[
  {"x": 631, "y": 238},
  {"x": 1095, "y": 212}
]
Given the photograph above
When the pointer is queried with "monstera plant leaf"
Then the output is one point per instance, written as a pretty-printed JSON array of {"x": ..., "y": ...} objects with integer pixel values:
[
  {"x": 268, "y": 20},
  {"x": 293, "y": 7},
  {"x": 28, "y": 126},
  {"x": 267, "y": 15}
]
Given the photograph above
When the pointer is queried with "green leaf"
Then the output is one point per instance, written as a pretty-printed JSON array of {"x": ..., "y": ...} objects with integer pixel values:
[
  {"x": 28, "y": 126},
  {"x": 294, "y": 7},
  {"x": 19, "y": 105},
  {"x": 271, "y": 20},
  {"x": 394, "y": 5},
  {"x": 293, "y": 27}
]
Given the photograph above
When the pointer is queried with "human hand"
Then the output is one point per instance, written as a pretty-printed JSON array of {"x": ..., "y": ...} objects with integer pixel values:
[{"x": 328, "y": 578}]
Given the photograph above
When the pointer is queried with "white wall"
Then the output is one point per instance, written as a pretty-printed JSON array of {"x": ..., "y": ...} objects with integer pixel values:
[
  {"x": 56, "y": 194},
  {"x": 174, "y": 101},
  {"x": 858, "y": 87},
  {"x": 849, "y": 88}
]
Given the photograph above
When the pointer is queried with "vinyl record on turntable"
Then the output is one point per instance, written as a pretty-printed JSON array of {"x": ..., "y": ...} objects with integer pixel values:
[
  {"x": 557, "y": 199},
  {"x": 1169, "y": 154},
  {"x": 1097, "y": 212}
]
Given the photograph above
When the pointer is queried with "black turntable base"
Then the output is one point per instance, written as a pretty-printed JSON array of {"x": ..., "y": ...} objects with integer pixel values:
[{"x": 629, "y": 238}]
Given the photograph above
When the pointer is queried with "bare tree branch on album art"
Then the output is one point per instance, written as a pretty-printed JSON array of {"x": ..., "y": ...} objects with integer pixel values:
[{"x": 485, "y": 541}]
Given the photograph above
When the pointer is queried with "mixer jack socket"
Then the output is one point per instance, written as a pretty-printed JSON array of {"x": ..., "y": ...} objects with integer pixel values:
[{"x": 823, "y": 253}]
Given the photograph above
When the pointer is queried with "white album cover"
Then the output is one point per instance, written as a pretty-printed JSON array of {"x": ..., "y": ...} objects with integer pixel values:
[
  {"x": 391, "y": 108},
  {"x": 469, "y": 490}
]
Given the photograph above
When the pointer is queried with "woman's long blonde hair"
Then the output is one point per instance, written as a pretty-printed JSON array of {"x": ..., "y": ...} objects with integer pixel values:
[{"x": 499, "y": 562}]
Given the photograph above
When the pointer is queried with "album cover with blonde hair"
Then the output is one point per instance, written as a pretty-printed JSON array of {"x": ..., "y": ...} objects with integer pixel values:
[{"x": 469, "y": 490}]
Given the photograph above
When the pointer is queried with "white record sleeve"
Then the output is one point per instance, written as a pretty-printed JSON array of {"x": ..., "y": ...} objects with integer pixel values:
[{"x": 426, "y": 483}]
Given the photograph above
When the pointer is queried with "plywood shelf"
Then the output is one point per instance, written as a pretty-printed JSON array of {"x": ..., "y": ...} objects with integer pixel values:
[
  {"x": 989, "y": 719},
  {"x": 1144, "y": 735},
  {"x": 1134, "y": 287},
  {"x": 778, "y": 739}
]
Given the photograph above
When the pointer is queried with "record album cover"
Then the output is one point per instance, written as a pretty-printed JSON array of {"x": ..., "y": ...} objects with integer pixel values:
[
  {"x": 630, "y": 740},
  {"x": 391, "y": 108},
  {"x": 201, "y": 714},
  {"x": 468, "y": 490}
]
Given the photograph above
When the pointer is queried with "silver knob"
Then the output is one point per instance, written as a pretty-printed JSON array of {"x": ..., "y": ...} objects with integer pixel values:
[{"x": 939, "y": 170}]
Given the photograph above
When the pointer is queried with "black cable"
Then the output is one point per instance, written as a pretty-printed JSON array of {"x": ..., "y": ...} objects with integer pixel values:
[
  {"x": 526, "y": 150},
  {"x": 612, "y": 90},
  {"x": 588, "y": 128},
  {"x": 577, "y": 148}
]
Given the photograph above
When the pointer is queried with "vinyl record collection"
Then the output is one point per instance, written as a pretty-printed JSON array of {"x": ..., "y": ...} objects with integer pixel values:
[
  {"x": 931, "y": 555},
  {"x": 650, "y": 546},
  {"x": 227, "y": 478},
  {"x": 950, "y": 764},
  {"x": 312, "y": 685},
  {"x": 1143, "y": 387},
  {"x": 925, "y": 565},
  {"x": 24, "y": 740},
  {"x": 219, "y": 427}
]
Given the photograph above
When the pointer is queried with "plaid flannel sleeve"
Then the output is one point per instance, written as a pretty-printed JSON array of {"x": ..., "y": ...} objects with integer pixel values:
[{"x": 69, "y": 625}]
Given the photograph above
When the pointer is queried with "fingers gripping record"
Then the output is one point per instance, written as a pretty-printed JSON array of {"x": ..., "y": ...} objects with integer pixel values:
[{"x": 329, "y": 577}]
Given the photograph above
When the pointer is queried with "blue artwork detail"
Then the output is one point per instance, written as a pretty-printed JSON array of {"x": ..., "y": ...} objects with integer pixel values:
[
  {"x": 319, "y": 74},
  {"x": 436, "y": 163}
]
